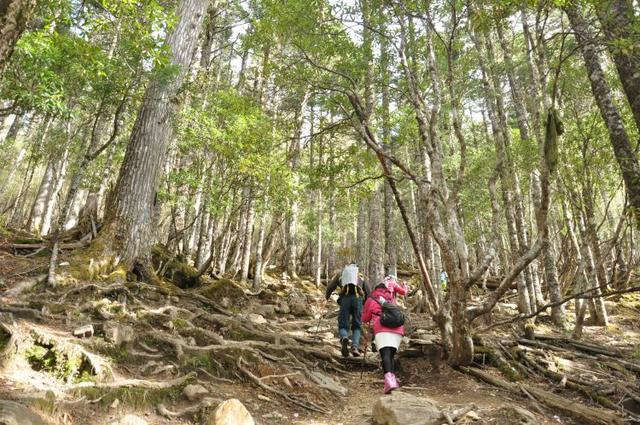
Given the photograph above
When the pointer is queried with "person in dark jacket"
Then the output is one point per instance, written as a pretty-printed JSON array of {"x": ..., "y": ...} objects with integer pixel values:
[{"x": 352, "y": 292}]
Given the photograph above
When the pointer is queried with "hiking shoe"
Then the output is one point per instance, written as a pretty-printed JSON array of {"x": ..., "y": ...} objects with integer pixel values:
[
  {"x": 345, "y": 347},
  {"x": 390, "y": 382},
  {"x": 355, "y": 352}
]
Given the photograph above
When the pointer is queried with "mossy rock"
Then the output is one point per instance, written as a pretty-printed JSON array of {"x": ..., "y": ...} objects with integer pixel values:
[
  {"x": 175, "y": 268},
  {"x": 60, "y": 362},
  {"x": 223, "y": 288}
]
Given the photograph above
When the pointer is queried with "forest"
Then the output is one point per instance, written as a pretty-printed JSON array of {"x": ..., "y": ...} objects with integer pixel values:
[{"x": 182, "y": 180}]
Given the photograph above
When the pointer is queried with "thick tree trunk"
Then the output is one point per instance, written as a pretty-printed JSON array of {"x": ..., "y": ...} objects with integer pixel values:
[
  {"x": 620, "y": 25},
  {"x": 14, "y": 15},
  {"x": 129, "y": 222},
  {"x": 625, "y": 155}
]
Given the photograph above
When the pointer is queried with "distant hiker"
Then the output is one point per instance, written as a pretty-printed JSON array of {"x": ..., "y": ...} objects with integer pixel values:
[
  {"x": 444, "y": 278},
  {"x": 379, "y": 309},
  {"x": 352, "y": 293}
]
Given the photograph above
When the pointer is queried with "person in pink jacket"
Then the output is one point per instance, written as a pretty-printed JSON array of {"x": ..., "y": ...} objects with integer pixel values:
[{"x": 387, "y": 340}]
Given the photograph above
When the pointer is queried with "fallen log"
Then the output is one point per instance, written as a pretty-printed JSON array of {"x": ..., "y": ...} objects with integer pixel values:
[{"x": 584, "y": 414}]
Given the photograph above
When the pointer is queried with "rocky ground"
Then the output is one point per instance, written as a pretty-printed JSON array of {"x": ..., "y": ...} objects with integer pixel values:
[{"x": 103, "y": 350}]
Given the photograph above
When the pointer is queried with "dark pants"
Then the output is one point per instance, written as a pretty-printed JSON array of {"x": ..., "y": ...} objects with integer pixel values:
[
  {"x": 387, "y": 354},
  {"x": 350, "y": 313}
]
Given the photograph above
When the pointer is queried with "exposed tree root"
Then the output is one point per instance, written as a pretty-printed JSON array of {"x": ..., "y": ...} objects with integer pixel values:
[
  {"x": 140, "y": 383},
  {"x": 306, "y": 404},
  {"x": 189, "y": 411}
]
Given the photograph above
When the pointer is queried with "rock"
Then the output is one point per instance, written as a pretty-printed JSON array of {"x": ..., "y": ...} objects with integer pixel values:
[
  {"x": 513, "y": 415},
  {"x": 256, "y": 319},
  {"x": 64, "y": 264},
  {"x": 283, "y": 308},
  {"x": 230, "y": 412},
  {"x": 266, "y": 310},
  {"x": 130, "y": 420},
  {"x": 399, "y": 408},
  {"x": 118, "y": 334},
  {"x": 12, "y": 413},
  {"x": 194, "y": 392},
  {"x": 328, "y": 383},
  {"x": 83, "y": 331},
  {"x": 287, "y": 382}
]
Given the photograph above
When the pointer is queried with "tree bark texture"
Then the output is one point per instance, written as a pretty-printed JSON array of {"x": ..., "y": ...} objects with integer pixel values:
[
  {"x": 620, "y": 27},
  {"x": 14, "y": 15},
  {"x": 624, "y": 153},
  {"x": 130, "y": 216}
]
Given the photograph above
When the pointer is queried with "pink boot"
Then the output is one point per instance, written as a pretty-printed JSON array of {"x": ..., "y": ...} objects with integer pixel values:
[{"x": 390, "y": 382}]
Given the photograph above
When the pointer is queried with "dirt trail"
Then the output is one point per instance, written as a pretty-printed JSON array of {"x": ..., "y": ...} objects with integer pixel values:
[{"x": 269, "y": 350}]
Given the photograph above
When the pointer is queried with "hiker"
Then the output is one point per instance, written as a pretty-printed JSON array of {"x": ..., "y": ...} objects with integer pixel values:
[
  {"x": 387, "y": 339},
  {"x": 444, "y": 278},
  {"x": 352, "y": 292}
]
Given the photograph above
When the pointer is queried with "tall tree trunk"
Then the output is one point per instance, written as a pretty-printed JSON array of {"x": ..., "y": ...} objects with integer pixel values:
[
  {"x": 376, "y": 241},
  {"x": 42, "y": 198},
  {"x": 248, "y": 238},
  {"x": 15, "y": 127},
  {"x": 362, "y": 247},
  {"x": 549, "y": 265},
  {"x": 257, "y": 274},
  {"x": 292, "y": 222},
  {"x": 60, "y": 174},
  {"x": 14, "y": 15},
  {"x": 624, "y": 153},
  {"x": 620, "y": 25},
  {"x": 129, "y": 222}
]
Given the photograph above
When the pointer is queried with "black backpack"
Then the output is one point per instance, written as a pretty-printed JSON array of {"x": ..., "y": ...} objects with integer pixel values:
[{"x": 391, "y": 316}]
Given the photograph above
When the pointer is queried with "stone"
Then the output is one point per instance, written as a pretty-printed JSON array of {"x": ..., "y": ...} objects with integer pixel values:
[
  {"x": 194, "y": 392},
  {"x": 328, "y": 383},
  {"x": 83, "y": 331},
  {"x": 64, "y": 264},
  {"x": 12, "y": 413},
  {"x": 130, "y": 420},
  {"x": 266, "y": 310},
  {"x": 118, "y": 334},
  {"x": 256, "y": 319},
  {"x": 230, "y": 412},
  {"x": 399, "y": 408}
]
